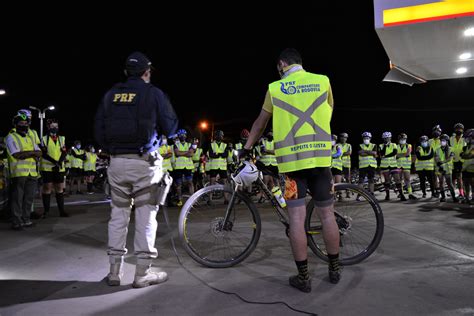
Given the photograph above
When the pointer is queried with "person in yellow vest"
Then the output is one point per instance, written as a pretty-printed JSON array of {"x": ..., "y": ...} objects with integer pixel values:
[
  {"x": 166, "y": 151},
  {"x": 468, "y": 166},
  {"x": 52, "y": 168},
  {"x": 444, "y": 165},
  {"x": 90, "y": 168},
  {"x": 457, "y": 143},
  {"x": 367, "y": 161},
  {"x": 198, "y": 173},
  {"x": 77, "y": 166},
  {"x": 404, "y": 163},
  {"x": 267, "y": 152},
  {"x": 425, "y": 165},
  {"x": 346, "y": 157},
  {"x": 67, "y": 166},
  {"x": 336, "y": 163},
  {"x": 435, "y": 144},
  {"x": 23, "y": 153},
  {"x": 301, "y": 104},
  {"x": 183, "y": 171},
  {"x": 218, "y": 154},
  {"x": 389, "y": 166}
]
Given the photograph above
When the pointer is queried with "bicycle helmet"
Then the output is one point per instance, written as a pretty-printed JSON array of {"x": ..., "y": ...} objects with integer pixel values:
[
  {"x": 181, "y": 132},
  {"x": 26, "y": 112},
  {"x": 334, "y": 137},
  {"x": 19, "y": 117},
  {"x": 219, "y": 133},
  {"x": 246, "y": 174},
  {"x": 245, "y": 133},
  {"x": 424, "y": 138},
  {"x": 402, "y": 136},
  {"x": 458, "y": 126},
  {"x": 469, "y": 133},
  {"x": 437, "y": 131},
  {"x": 386, "y": 135},
  {"x": 343, "y": 135},
  {"x": 366, "y": 134},
  {"x": 444, "y": 137}
]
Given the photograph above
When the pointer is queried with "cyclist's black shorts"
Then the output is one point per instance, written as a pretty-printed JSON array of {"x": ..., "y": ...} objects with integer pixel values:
[
  {"x": 76, "y": 172},
  {"x": 457, "y": 167},
  {"x": 179, "y": 174},
  {"x": 52, "y": 177},
  {"x": 368, "y": 172},
  {"x": 346, "y": 170},
  {"x": 272, "y": 169},
  {"x": 317, "y": 180},
  {"x": 467, "y": 175},
  {"x": 336, "y": 172},
  {"x": 222, "y": 173}
]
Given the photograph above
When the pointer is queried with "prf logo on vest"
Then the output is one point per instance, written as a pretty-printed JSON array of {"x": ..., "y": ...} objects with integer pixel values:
[
  {"x": 291, "y": 87},
  {"x": 124, "y": 97}
]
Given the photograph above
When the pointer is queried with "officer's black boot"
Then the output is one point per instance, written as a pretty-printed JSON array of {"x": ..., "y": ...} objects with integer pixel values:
[
  {"x": 443, "y": 196},
  {"x": 387, "y": 191},
  {"x": 60, "y": 201},
  {"x": 46, "y": 204}
]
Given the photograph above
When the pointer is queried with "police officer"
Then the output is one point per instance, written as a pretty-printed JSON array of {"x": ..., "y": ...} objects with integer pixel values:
[
  {"x": 52, "y": 167},
  {"x": 304, "y": 169},
  {"x": 126, "y": 126}
]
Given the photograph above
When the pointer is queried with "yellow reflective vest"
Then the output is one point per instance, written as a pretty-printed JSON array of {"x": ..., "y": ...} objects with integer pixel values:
[
  {"x": 367, "y": 161},
  {"x": 301, "y": 121},
  {"x": 166, "y": 149},
  {"x": 425, "y": 164},
  {"x": 54, "y": 151},
  {"x": 90, "y": 162},
  {"x": 183, "y": 162},
  {"x": 218, "y": 163},
  {"x": 267, "y": 159},
  {"x": 22, "y": 167}
]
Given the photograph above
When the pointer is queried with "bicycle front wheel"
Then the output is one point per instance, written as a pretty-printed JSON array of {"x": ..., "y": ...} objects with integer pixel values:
[
  {"x": 211, "y": 241},
  {"x": 360, "y": 221}
]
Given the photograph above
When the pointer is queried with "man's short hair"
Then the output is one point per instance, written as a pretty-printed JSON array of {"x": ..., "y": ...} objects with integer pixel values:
[{"x": 290, "y": 56}]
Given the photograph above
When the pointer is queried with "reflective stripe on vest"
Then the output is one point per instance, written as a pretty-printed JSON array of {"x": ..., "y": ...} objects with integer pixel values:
[
  {"x": 457, "y": 147},
  {"x": 268, "y": 160},
  {"x": 166, "y": 149},
  {"x": 54, "y": 151},
  {"x": 441, "y": 157},
  {"x": 90, "y": 162},
  {"x": 239, "y": 146},
  {"x": 390, "y": 162},
  {"x": 336, "y": 162},
  {"x": 22, "y": 167},
  {"x": 346, "y": 160},
  {"x": 301, "y": 121},
  {"x": 425, "y": 164},
  {"x": 183, "y": 162},
  {"x": 218, "y": 163},
  {"x": 367, "y": 161},
  {"x": 76, "y": 162},
  {"x": 404, "y": 162},
  {"x": 68, "y": 162}
]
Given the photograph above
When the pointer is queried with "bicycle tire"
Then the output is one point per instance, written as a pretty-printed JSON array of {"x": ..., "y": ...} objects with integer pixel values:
[
  {"x": 317, "y": 244},
  {"x": 199, "y": 254}
]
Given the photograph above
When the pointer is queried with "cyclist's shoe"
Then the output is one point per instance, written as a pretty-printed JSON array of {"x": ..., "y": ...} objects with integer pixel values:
[
  {"x": 145, "y": 277},
  {"x": 403, "y": 198},
  {"x": 412, "y": 197},
  {"x": 180, "y": 203},
  {"x": 455, "y": 200},
  {"x": 387, "y": 197},
  {"x": 424, "y": 195},
  {"x": 443, "y": 199},
  {"x": 358, "y": 199},
  {"x": 334, "y": 276},
  {"x": 302, "y": 285}
]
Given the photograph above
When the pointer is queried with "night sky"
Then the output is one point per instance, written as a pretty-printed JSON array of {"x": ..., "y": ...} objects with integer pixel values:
[{"x": 217, "y": 67}]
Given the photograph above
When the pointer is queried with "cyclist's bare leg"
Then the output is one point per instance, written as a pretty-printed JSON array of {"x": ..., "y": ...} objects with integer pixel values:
[
  {"x": 398, "y": 181},
  {"x": 330, "y": 228},
  {"x": 297, "y": 234},
  {"x": 386, "y": 177},
  {"x": 457, "y": 179}
]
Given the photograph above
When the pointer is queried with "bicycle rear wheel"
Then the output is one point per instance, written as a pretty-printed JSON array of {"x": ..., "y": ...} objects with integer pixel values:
[
  {"x": 360, "y": 222},
  {"x": 205, "y": 236}
]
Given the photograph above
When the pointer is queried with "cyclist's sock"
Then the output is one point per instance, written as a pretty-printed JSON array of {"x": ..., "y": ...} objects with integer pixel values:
[
  {"x": 302, "y": 266},
  {"x": 46, "y": 203},
  {"x": 461, "y": 192},
  {"x": 334, "y": 264}
]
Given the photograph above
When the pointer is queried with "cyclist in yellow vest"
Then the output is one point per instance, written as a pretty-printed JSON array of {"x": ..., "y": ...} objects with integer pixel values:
[
  {"x": 267, "y": 152},
  {"x": 23, "y": 153},
  {"x": 301, "y": 104},
  {"x": 52, "y": 168},
  {"x": 166, "y": 151},
  {"x": 389, "y": 166},
  {"x": 336, "y": 163},
  {"x": 444, "y": 165},
  {"x": 457, "y": 143},
  {"x": 346, "y": 156},
  {"x": 367, "y": 161},
  {"x": 468, "y": 166},
  {"x": 183, "y": 169},
  {"x": 198, "y": 173},
  {"x": 218, "y": 154},
  {"x": 77, "y": 166},
  {"x": 425, "y": 165},
  {"x": 404, "y": 163},
  {"x": 90, "y": 168},
  {"x": 435, "y": 144}
]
